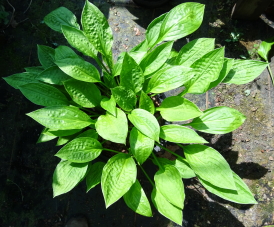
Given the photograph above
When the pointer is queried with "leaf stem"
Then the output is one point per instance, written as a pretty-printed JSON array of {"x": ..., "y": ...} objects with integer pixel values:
[
  {"x": 270, "y": 72},
  {"x": 156, "y": 160},
  {"x": 178, "y": 156},
  {"x": 90, "y": 111},
  {"x": 146, "y": 175},
  {"x": 117, "y": 152}
]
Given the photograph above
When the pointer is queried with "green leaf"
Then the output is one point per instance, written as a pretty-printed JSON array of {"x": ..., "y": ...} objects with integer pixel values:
[
  {"x": 44, "y": 137},
  {"x": 153, "y": 30},
  {"x": 176, "y": 108},
  {"x": 244, "y": 71},
  {"x": 53, "y": 132},
  {"x": 53, "y": 75},
  {"x": 207, "y": 70},
  {"x": 209, "y": 165},
  {"x": 79, "y": 69},
  {"x": 136, "y": 200},
  {"x": 180, "y": 134},
  {"x": 146, "y": 123},
  {"x": 94, "y": 175},
  {"x": 89, "y": 133},
  {"x": 181, "y": 21},
  {"x": 96, "y": 28},
  {"x": 117, "y": 68},
  {"x": 43, "y": 94},
  {"x": 119, "y": 174},
  {"x": 109, "y": 105},
  {"x": 124, "y": 97},
  {"x": 113, "y": 128},
  {"x": 166, "y": 208},
  {"x": 265, "y": 47},
  {"x": 83, "y": 93},
  {"x": 218, "y": 120},
  {"x": 59, "y": 17},
  {"x": 109, "y": 80},
  {"x": 20, "y": 79},
  {"x": 67, "y": 175},
  {"x": 243, "y": 195},
  {"x": 46, "y": 56},
  {"x": 34, "y": 69},
  {"x": 138, "y": 52},
  {"x": 156, "y": 58},
  {"x": 61, "y": 117},
  {"x": 80, "y": 150},
  {"x": 180, "y": 164},
  {"x": 78, "y": 40},
  {"x": 131, "y": 75},
  {"x": 141, "y": 146},
  {"x": 194, "y": 50},
  {"x": 169, "y": 78},
  {"x": 62, "y": 52},
  {"x": 146, "y": 103},
  {"x": 228, "y": 62},
  {"x": 169, "y": 183},
  {"x": 63, "y": 140}
]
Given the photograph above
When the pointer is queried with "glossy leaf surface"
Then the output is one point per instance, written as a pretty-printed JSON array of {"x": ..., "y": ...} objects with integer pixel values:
[
  {"x": 53, "y": 75},
  {"x": 146, "y": 103},
  {"x": 208, "y": 164},
  {"x": 119, "y": 174},
  {"x": 20, "y": 79},
  {"x": 218, "y": 120},
  {"x": 146, "y": 123},
  {"x": 46, "y": 56},
  {"x": 67, "y": 175},
  {"x": 113, "y": 128},
  {"x": 124, "y": 97},
  {"x": 109, "y": 105},
  {"x": 93, "y": 177}
]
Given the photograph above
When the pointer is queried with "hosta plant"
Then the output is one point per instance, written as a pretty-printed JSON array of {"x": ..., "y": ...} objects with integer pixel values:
[{"x": 109, "y": 108}]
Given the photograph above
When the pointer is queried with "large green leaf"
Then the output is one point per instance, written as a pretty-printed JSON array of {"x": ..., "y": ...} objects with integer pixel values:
[
  {"x": 67, "y": 175},
  {"x": 53, "y": 75},
  {"x": 207, "y": 70},
  {"x": 131, "y": 75},
  {"x": 228, "y": 63},
  {"x": 243, "y": 195},
  {"x": 62, "y": 52},
  {"x": 83, "y": 93},
  {"x": 180, "y": 134},
  {"x": 113, "y": 128},
  {"x": 109, "y": 105},
  {"x": 53, "y": 132},
  {"x": 169, "y": 183},
  {"x": 78, "y": 40},
  {"x": 89, "y": 133},
  {"x": 265, "y": 47},
  {"x": 209, "y": 165},
  {"x": 169, "y": 78},
  {"x": 93, "y": 177},
  {"x": 166, "y": 208},
  {"x": 136, "y": 200},
  {"x": 124, "y": 97},
  {"x": 146, "y": 123},
  {"x": 138, "y": 52},
  {"x": 181, "y": 21},
  {"x": 176, "y": 108},
  {"x": 61, "y": 117},
  {"x": 96, "y": 28},
  {"x": 59, "y": 17},
  {"x": 79, "y": 69},
  {"x": 20, "y": 79},
  {"x": 153, "y": 30},
  {"x": 146, "y": 103},
  {"x": 194, "y": 50},
  {"x": 180, "y": 164},
  {"x": 43, "y": 94},
  {"x": 34, "y": 69},
  {"x": 119, "y": 174},
  {"x": 141, "y": 146},
  {"x": 46, "y": 56},
  {"x": 156, "y": 58},
  {"x": 218, "y": 120},
  {"x": 44, "y": 137},
  {"x": 244, "y": 71},
  {"x": 80, "y": 150}
]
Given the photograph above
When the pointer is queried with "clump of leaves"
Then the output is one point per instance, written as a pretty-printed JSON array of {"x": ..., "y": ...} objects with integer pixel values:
[{"x": 85, "y": 108}]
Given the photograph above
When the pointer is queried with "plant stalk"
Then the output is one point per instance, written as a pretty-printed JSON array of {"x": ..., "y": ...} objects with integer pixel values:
[
  {"x": 117, "y": 152},
  {"x": 147, "y": 175},
  {"x": 156, "y": 160},
  {"x": 270, "y": 72},
  {"x": 178, "y": 156}
]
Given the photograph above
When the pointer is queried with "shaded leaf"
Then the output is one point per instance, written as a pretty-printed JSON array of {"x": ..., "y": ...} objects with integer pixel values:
[
  {"x": 146, "y": 103},
  {"x": 93, "y": 177},
  {"x": 46, "y": 56},
  {"x": 124, "y": 97}
]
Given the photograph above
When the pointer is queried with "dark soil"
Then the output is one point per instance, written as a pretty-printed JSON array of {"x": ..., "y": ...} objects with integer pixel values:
[{"x": 27, "y": 167}]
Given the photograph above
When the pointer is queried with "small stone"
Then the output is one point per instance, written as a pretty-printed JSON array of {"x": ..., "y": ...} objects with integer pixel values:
[{"x": 271, "y": 158}]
